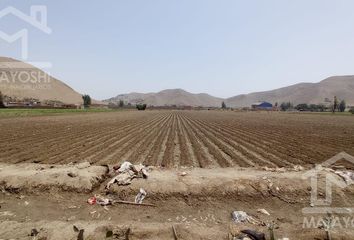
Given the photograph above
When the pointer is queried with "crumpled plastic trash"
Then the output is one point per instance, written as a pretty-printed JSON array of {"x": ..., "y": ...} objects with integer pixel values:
[
  {"x": 124, "y": 167},
  {"x": 98, "y": 199},
  {"x": 91, "y": 200},
  {"x": 241, "y": 217},
  {"x": 103, "y": 201},
  {"x": 347, "y": 176},
  {"x": 126, "y": 173},
  {"x": 140, "y": 197}
]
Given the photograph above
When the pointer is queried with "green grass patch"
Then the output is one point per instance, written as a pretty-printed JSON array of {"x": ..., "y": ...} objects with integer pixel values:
[{"x": 27, "y": 112}]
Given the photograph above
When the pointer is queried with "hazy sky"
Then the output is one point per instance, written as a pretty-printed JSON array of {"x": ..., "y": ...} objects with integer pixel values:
[{"x": 222, "y": 47}]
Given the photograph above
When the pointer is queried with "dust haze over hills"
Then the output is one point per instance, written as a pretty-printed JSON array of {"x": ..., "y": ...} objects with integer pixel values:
[
  {"x": 310, "y": 93},
  {"x": 21, "y": 80},
  {"x": 340, "y": 86},
  {"x": 169, "y": 97}
]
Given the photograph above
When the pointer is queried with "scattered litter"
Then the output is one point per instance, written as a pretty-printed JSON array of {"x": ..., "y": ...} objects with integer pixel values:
[
  {"x": 106, "y": 208},
  {"x": 265, "y": 212},
  {"x": 126, "y": 173},
  {"x": 91, "y": 201},
  {"x": 347, "y": 176},
  {"x": 254, "y": 235},
  {"x": 72, "y": 207},
  {"x": 241, "y": 217},
  {"x": 26, "y": 203},
  {"x": 124, "y": 167},
  {"x": 298, "y": 168},
  {"x": 76, "y": 229},
  {"x": 140, "y": 197},
  {"x": 99, "y": 200},
  {"x": 183, "y": 174},
  {"x": 102, "y": 200}
]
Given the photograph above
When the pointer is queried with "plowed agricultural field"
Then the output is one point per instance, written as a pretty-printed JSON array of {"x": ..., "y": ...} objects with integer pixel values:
[{"x": 177, "y": 138}]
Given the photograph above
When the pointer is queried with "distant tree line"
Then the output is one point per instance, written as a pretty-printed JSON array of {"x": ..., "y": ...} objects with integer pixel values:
[
  {"x": 336, "y": 106},
  {"x": 286, "y": 106}
]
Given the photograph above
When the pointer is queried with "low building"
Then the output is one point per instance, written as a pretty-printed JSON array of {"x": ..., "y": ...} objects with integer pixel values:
[{"x": 262, "y": 106}]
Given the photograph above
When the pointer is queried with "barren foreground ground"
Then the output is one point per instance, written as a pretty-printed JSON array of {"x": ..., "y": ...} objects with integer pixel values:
[{"x": 177, "y": 138}]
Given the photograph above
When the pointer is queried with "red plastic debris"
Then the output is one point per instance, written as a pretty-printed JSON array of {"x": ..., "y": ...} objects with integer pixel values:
[{"x": 92, "y": 200}]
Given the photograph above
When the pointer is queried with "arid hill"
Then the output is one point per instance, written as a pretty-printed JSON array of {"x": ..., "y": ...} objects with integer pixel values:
[
  {"x": 340, "y": 86},
  {"x": 20, "y": 80},
  {"x": 178, "y": 97},
  {"x": 316, "y": 93}
]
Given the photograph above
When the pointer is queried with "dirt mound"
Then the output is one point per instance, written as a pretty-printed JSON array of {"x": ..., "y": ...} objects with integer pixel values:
[
  {"x": 197, "y": 202},
  {"x": 33, "y": 177}
]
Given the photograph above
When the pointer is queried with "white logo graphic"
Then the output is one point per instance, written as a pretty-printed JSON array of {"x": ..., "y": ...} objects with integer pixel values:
[
  {"x": 37, "y": 18},
  {"x": 341, "y": 179}
]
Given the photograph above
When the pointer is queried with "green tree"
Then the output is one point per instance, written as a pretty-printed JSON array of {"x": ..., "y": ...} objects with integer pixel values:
[
  {"x": 141, "y": 107},
  {"x": 121, "y": 103},
  {"x": 335, "y": 104},
  {"x": 87, "y": 100},
  {"x": 342, "y": 106},
  {"x": 286, "y": 106},
  {"x": 2, "y": 105},
  {"x": 302, "y": 107},
  {"x": 223, "y": 105}
]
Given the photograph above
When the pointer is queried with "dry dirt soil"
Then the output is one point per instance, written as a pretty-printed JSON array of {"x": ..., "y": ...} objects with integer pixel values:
[{"x": 178, "y": 138}]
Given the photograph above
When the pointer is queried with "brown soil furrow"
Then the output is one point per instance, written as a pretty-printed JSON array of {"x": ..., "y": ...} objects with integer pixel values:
[
  {"x": 163, "y": 147},
  {"x": 49, "y": 137},
  {"x": 224, "y": 160},
  {"x": 55, "y": 153},
  {"x": 158, "y": 147},
  {"x": 75, "y": 152},
  {"x": 187, "y": 154},
  {"x": 123, "y": 152},
  {"x": 102, "y": 149},
  {"x": 206, "y": 159},
  {"x": 141, "y": 153},
  {"x": 168, "y": 157},
  {"x": 250, "y": 145}
]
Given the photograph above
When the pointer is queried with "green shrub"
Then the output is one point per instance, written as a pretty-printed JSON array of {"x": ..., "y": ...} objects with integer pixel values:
[{"x": 141, "y": 107}]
